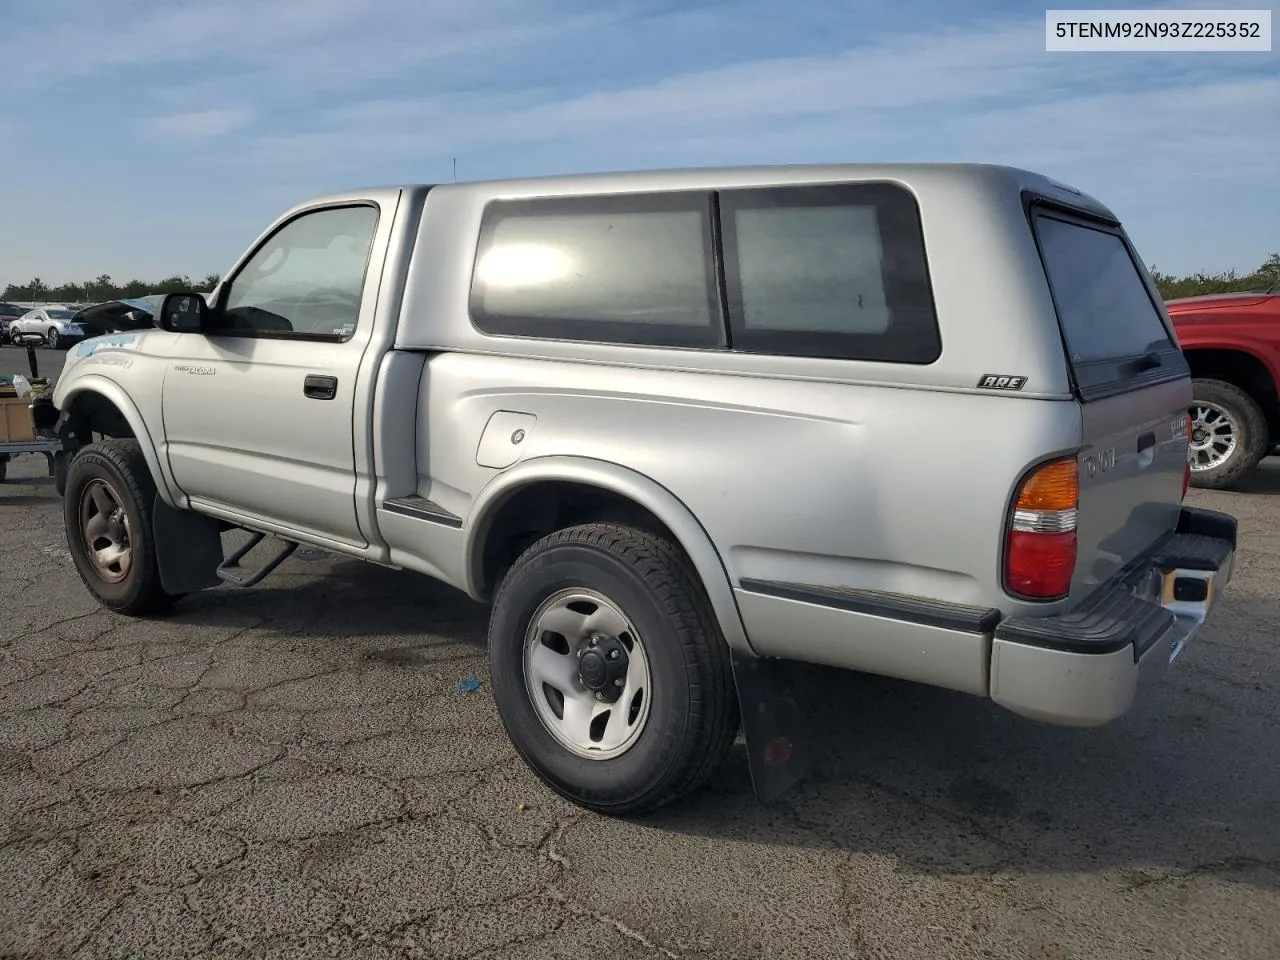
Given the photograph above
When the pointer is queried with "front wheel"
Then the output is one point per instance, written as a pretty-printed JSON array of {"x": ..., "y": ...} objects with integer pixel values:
[
  {"x": 107, "y": 515},
  {"x": 1228, "y": 434},
  {"x": 608, "y": 668}
]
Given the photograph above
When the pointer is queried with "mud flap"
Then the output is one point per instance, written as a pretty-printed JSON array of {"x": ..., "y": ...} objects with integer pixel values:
[
  {"x": 60, "y": 462},
  {"x": 778, "y": 749},
  {"x": 188, "y": 548}
]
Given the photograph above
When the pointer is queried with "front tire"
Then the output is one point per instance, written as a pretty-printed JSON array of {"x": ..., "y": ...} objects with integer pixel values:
[
  {"x": 658, "y": 653},
  {"x": 1229, "y": 434},
  {"x": 107, "y": 516},
  {"x": 51, "y": 339}
]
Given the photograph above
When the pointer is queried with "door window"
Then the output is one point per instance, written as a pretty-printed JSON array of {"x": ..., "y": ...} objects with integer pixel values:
[{"x": 306, "y": 280}]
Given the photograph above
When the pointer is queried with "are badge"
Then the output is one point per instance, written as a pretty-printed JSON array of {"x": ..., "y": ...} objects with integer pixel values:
[{"x": 1000, "y": 381}]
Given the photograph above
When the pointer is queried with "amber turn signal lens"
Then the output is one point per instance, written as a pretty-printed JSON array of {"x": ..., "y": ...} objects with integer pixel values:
[{"x": 1055, "y": 486}]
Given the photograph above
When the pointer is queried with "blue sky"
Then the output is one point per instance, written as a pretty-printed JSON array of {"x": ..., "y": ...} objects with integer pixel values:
[{"x": 152, "y": 137}]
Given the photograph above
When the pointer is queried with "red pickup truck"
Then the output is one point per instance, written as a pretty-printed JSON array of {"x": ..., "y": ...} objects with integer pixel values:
[{"x": 1232, "y": 342}]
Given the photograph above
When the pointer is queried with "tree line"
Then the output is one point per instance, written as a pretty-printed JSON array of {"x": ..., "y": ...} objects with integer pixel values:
[
  {"x": 103, "y": 288},
  {"x": 1266, "y": 277}
]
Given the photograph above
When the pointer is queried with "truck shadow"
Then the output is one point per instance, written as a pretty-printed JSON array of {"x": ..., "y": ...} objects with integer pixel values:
[
  {"x": 1264, "y": 480},
  {"x": 27, "y": 491},
  {"x": 1188, "y": 782},
  {"x": 313, "y": 595},
  {"x": 945, "y": 783}
]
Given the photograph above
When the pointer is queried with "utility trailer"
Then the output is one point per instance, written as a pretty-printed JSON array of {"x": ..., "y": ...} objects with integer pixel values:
[{"x": 18, "y": 432}]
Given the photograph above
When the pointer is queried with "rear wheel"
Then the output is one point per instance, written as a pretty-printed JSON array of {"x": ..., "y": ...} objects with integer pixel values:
[
  {"x": 107, "y": 515},
  {"x": 1228, "y": 434},
  {"x": 608, "y": 668}
]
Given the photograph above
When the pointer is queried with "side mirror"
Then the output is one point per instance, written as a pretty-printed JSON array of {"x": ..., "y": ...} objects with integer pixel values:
[{"x": 183, "y": 313}]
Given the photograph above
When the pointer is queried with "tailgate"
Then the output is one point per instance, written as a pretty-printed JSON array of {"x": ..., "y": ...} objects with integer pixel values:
[
  {"x": 1131, "y": 474},
  {"x": 1134, "y": 389}
]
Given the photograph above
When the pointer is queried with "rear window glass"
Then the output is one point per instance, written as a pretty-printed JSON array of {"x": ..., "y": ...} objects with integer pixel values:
[
  {"x": 831, "y": 271},
  {"x": 632, "y": 268},
  {"x": 1103, "y": 305}
]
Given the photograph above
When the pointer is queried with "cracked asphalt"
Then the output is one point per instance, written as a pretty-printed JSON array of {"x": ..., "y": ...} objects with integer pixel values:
[{"x": 291, "y": 771}]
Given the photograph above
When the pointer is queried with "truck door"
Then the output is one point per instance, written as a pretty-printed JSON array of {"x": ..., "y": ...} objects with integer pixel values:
[{"x": 258, "y": 411}]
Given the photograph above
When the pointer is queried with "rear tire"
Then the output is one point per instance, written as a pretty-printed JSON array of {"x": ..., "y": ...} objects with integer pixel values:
[
  {"x": 107, "y": 516},
  {"x": 1229, "y": 434},
  {"x": 644, "y": 584}
]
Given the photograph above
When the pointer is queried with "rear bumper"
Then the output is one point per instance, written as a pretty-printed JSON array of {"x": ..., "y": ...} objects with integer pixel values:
[{"x": 1084, "y": 667}]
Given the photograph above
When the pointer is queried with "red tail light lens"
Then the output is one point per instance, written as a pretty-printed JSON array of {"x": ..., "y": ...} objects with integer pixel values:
[{"x": 1040, "y": 558}]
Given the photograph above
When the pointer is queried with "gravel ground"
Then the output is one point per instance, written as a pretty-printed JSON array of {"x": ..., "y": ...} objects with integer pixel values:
[{"x": 292, "y": 772}]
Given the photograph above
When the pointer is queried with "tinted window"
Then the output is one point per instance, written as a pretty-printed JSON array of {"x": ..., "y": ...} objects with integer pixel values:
[
  {"x": 1103, "y": 305},
  {"x": 811, "y": 269},
  {"x": 60, "y": 314},
  {"x": 308, "y": 278},
  {"x": 833, "y": 271},
  {"x": 633, "y": 268}
]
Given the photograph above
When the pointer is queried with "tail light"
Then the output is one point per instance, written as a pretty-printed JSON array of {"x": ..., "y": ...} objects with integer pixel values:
[
  {"x": 1186, "y": 467},
  {"x": 1040, "y": 558}
]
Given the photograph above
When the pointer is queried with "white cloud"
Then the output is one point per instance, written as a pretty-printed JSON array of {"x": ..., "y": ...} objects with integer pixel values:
[
  {"x": 197, "y": 124},
  {"x": 289, "y": 97},
  {"x": 981, "y": 93},
  {"x": 276, "y": 47},
  {"x": 1190, "y": 131}
]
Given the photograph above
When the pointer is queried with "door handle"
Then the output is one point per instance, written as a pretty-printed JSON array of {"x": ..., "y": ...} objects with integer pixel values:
[{"x": 319, "y": 387}]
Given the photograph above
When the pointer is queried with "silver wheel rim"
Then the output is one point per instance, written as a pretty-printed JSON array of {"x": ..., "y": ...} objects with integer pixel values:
[
  {"x": 566, "y": 627},
  {"x": 1214, "y": 436},
  {"x": 105, "y": 529}
]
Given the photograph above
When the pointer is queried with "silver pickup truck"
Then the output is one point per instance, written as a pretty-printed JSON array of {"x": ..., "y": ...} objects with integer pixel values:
[{"x": 679, "y": 428}]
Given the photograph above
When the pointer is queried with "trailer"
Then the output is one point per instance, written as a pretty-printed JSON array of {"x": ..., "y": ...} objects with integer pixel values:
[{"x": 18, "y": 433}]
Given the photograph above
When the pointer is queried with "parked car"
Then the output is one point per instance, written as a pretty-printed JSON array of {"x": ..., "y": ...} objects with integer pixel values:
[
  {"x": 51, "y": 326},
  {"x": 116, "y": 316},
  {"x": 8, "y": 313},
  {"x": 1232, "y": 344},
  {"x": 678, "y": 427}
]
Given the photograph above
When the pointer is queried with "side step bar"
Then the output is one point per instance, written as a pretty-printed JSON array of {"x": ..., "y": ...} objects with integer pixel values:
[{"x": 230, "y": 570}]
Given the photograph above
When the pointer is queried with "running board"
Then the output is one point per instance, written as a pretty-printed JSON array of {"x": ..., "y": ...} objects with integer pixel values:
[{"x": 229, "y": 569}]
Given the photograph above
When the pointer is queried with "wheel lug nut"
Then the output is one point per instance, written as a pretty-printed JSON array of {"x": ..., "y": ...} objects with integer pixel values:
[
  {"x": 595, "y": 641},
  {"x": 599, "y": 696},
  {"x": 618, "y": 682},
  {"x": 613, "y": 654}
]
